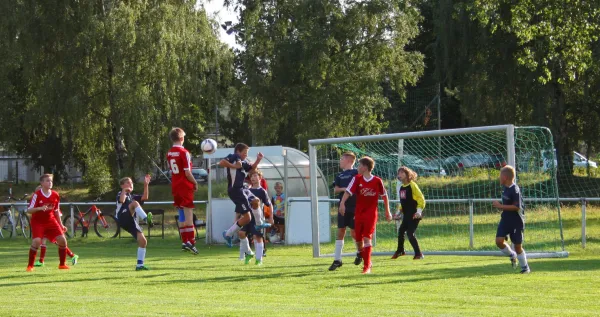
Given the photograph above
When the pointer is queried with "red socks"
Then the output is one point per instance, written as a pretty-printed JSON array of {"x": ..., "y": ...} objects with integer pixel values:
[
  {"x": 187, "y": 234},
  {"x": 42, "y": 253},
  {"x": 366, "y": 255},
  {"x": 69, "y": 253},
  {"x": 62, "y": 254},
  {"x": 32, "y": 254}
]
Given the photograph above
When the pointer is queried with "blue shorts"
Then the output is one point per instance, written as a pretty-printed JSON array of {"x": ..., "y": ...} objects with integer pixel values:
[
  {"x": 347, "y": 220},
  {"x": 128, "y": 223},
  {"x": 250, "y": 229},
  {"x": 241, "y": 198},
  {"x": 512, "y": 229}
]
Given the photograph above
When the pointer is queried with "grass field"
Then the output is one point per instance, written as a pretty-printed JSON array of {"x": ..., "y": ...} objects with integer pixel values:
[{"x": 291, "y": 282}]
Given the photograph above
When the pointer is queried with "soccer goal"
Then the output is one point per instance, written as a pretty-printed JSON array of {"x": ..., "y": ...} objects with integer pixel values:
[{"x": 458, "y": 173}]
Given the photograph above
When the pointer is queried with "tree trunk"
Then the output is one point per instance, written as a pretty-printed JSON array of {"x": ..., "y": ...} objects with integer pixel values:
[{"x": 561, "y": 138}]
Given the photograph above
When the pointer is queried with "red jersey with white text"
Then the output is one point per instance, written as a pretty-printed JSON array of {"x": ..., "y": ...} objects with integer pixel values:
[
  {"x": 179, "y": 160},
  {"x": 39, "y": 199},
  {"x": 367, "y": 192}
]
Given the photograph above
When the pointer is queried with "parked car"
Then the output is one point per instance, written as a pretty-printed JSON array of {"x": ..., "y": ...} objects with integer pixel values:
[
  {"x": 200, "y": 174},
  {"x": 456, "y": 164},
  {"x": 581, "y": 161},
  {"x": 422, "y": 167}
]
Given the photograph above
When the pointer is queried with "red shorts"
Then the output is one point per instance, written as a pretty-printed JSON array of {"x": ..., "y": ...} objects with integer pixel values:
[
  {"x": 46, "y": 230},
  {"x": 364, "y": 227},
  {"x": 183, "y": 198}
]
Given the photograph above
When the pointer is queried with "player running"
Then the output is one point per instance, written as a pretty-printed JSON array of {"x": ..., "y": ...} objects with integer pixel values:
[
  {"x": 367, "y": 188},
  {"x": 183, "y": 185},
  {"x": 512, "y": 220}
]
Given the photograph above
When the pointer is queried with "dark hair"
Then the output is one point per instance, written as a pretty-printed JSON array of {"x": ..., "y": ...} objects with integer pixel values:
[
  {"x": 176, "y": 134},
  {"x": 410, "y": 174},
  {"x": 44, "y": 176},
  {"x": 368, "y": 162},
  {"x": 240, "y": 147}
]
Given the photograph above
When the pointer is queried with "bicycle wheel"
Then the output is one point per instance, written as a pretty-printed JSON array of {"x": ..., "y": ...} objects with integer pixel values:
[
  {"x": 77, "y": 225},
  {"x": 5, "y": 226},
  {"x": 109, "y": 228},
  {"x": 25, "y": 226}
]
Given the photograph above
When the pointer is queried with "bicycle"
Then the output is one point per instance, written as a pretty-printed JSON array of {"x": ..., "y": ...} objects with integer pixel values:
[
  {"x": 7, "y": 218},
  {"x": 105, "y": 226}
]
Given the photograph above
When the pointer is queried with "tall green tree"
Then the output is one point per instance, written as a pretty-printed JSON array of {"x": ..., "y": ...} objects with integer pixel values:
[{"x": 315, "y": 68}]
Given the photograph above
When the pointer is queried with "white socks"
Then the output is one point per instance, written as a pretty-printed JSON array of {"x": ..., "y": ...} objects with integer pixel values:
[
  {"x": 140, "y": 212},
  {"x": 141, "y": 255},
  {"x": 233, "y": 229},
  {"x": 339, "y": 245},
  {"x": 522, "y": 259},
  {"x": 259, "y": 250},
  {"x": 244, "y": 248},
  {"x": 258, "y": 216},
  {"x": 508, "y": 251}
]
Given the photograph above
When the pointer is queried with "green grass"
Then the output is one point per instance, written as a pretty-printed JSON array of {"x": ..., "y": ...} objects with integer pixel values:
[{"x": 293, "y": 283}]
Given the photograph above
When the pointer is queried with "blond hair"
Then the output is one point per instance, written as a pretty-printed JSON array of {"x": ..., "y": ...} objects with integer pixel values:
[
  {"x": 349, "y": 155},
  {"x": 508, "y": 171},
  {"x": 410, "y": 174},
  {"x": 44, "y": 176},
  {"x": 125, "y": 179},
  {"x": 176, "y": 134}
]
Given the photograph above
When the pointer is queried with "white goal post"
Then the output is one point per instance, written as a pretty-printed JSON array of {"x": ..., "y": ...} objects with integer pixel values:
[{"x": 477, "y": 220}]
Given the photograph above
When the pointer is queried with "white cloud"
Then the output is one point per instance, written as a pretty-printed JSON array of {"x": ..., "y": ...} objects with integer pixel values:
[{"x": 220, "y": 13}]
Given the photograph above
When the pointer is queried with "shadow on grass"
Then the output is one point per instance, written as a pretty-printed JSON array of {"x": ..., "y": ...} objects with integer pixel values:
[{"x": 52, "y": 282}]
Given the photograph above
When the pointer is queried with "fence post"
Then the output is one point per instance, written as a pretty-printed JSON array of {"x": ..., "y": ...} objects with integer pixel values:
[
  {"x": 471, "y": 227},
  {"x": 72, "y": 224},
  {"x": 583, "y": 223}
]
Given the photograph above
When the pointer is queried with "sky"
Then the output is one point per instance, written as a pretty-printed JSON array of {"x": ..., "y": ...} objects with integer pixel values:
[{"x": 215, "y": 9}]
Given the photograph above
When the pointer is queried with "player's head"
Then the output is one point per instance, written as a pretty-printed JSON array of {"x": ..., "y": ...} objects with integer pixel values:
[
  {"x": 365, "y": 165},
  {"x": 255, "y": 177},
  {"x": 278, "y": 188},
  {"x": 126, "y": 183},
  {"x": 241, "y": 149},
  {"x": 347, "y": 160},
  {"x": 406, "y": 175},
  {"x": 46, "y": 181},
  {"x": 177, "y": 135},
  {"x": 507, "y": 175}
]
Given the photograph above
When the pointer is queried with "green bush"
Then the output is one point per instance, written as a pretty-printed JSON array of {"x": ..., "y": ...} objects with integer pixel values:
[{"x": 97, "y": 177}]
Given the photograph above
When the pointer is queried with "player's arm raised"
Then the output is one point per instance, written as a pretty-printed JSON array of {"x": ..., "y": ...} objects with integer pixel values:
[
  {"x": 123, "y": 196},
  {"x": 146, "y": 190},
  {"x": 259, "y": 158},
  {"x": 226, "y": 164}
]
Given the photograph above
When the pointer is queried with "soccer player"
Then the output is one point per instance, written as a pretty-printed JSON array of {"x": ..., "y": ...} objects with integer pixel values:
[
  {"x": 183, "y": 185},
  {"x": 44, "y": 209},
  {"x": 237, "y": 170},
  {"x": 367, "y": 188},
  {"x": 412, "y": 203},
  {"x": 278, "y": 202},
  {"x": 129, "y": 208},
  {"x": 347, "y": 220},
  {"x": 257, "y": 196},
  {"x": 43, "y": 248},
  {"x": 511, "y": 221}
]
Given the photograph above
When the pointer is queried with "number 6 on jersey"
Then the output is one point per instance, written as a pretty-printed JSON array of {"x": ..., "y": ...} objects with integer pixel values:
[{"x": 174, "y": 167}]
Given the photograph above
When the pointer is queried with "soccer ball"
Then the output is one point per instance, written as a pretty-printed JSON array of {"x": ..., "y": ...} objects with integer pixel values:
[{"x": 209, "y": 146}]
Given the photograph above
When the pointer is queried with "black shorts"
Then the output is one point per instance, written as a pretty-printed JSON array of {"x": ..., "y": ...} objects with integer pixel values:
[
  {"x": 279, "y": 221},
  {"x": 347, "y": 220},
  {"x": 128, "y": 223},
  {"x": 250, "y": 229},
  {"x": 511, "y": 228},
  {"x": 241, "y": 198}
]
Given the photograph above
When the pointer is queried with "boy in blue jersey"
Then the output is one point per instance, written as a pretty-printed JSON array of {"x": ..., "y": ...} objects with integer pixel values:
[
  {"x": 512, "y": 221},
  {"x": 347, "y": 220},
  {"x": 237, "y": 170},
  {"x": 257, "y": 196},
  {"x": 129, "y": 207}
]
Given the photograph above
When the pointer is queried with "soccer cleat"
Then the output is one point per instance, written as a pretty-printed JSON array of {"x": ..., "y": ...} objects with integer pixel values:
[
  {"x": 335, "y": 265},
  {"x": 248, "y": 258},
  {"x": 258, "y": 262},
  {"x": 513, "y": 262},
  {"x": 30, "y": 269},
  {"x": 357, "y": 259},
  {"x": 63, "y": 267},
  {"x": 525, "y": 270},
  {"x": 149, "y": 220},
  {"x": 190, "y": 247},
  {"x": 265, "y": 225},
  {"x": 367, "y": 270},
  {"x": 142, "y": 268},
  {"x": 264, "y": 252},
  {"x": 228, "y": 239},
  {"x": 74, "y": 259},
  {"x": 184, "y": 247},
  {"x": 38, "y": 264},
  {"x": 398, "y": 254},
  {"x": 419, "y": 256}
]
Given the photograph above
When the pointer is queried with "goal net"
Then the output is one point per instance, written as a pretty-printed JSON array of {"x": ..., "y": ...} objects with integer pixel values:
[{"x": 458, "y": 174}]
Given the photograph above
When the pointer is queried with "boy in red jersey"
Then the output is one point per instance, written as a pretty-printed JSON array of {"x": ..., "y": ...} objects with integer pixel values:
[
  {"x": 183, "y": 185},
  {"x": 44, "y": 209},
  {"x": 367, "y": 188}
]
